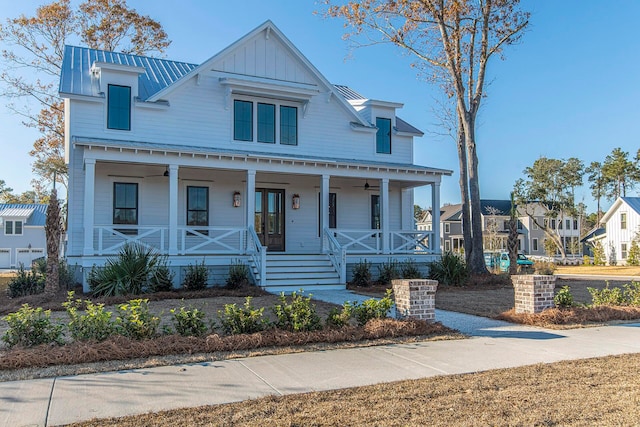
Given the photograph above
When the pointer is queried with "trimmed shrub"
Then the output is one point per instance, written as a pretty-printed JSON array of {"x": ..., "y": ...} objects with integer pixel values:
[
  {"x": 388, "y": 271},
  {"x": 409, "y": 270},
  {"x": 238, "y": 275},
  {"x": 136, "y": 321},
  {"x": 338, "y": 318},
  {"x": 126, "y": 274},
  {"x": 95, "y": 324},
  {"x": 242, "y": 320},
  {"x": 373, "y": 309},
  {"x": 161, "y": 279},
  {"x": 607, "y": 296},
  {"x": 361, "y": 274},
  {"x": 25, "y": 283},
  {"x": 299, "y": 315},
  {"x": 563, "y": 298},
  {"x": 189, "y": 321},
  {"x": 543, "y": 267},
  {"x": 196, "y": 277},
  {"x": 450, "y": 270},
  {"x": 632, "y": 293},
  {"x": 32, "y": 326}
]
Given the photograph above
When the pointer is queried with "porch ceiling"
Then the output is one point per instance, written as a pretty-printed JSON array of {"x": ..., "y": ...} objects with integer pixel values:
[{"x": 206, "y": 157}]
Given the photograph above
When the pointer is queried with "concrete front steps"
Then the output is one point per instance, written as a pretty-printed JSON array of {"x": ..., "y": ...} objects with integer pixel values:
[{"x": 288, "y": 273}]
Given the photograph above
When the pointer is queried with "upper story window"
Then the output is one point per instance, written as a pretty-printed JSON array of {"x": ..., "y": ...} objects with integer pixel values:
[
  {"x": 447, "y": 227},
  {"x": 575, "y": 224},
  {"x": 125, "y": 203},
  {"x": 119, "y": 107},
  {"x": 242, "y": 120},
  {"x": 623, "y": 221},
  {"x": 271, "y": 127},
  {"x": 13, "y": 228},
  {"x": 288, "y": 125},
  {"x": 383, "y": 136}
]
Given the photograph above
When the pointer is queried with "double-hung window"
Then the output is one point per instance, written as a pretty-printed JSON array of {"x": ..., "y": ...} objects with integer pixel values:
[
  {"x": 198, "y": 207},
  {"x": 288, "y": 125},
  {"x": 383, "y": 136},
  {"x": 266, "y": 123},
  {"x": 125, "y": 205},
  {"x": 375, "y": 211},
  {"x": 119, "y": 107},
  {"x": 623, "y": 221},
  {"x": 242, "y": 120},
  {"x": 13, "y": 228}
]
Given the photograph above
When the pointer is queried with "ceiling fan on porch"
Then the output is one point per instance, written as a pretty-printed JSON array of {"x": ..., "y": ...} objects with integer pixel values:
[
  {"x": 367, "y": 186},
  {"x": 165, "y": 173}
]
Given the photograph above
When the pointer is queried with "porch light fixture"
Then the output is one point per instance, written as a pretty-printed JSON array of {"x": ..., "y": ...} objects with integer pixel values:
[
  {"x": 295, "y": 201},
  {"x": 236, "y": 199}
]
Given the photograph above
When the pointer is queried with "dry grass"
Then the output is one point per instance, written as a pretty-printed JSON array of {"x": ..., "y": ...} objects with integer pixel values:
[
  {"x": 606, "y": 270},
  {"x": 603, "y": 392}
]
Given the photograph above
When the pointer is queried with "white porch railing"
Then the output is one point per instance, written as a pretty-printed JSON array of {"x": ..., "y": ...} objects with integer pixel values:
[
  {"x": 337, "y": 255},
  {"x": 359, "y": 241},
  {"x": 258, "y": 255},
  {"x": 411, "y": 242},
  {"x": 109, "y": 239},
  {"x": 211, "y": 240}
]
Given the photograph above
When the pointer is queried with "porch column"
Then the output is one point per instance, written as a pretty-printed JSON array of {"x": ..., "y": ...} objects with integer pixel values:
[
  {"x": 435, "y": 216},
  {"x": 384, "y": 213},
  {"x": 89, "y": 199},
  {"x": 250, "y": 191},
  {"x": 173, "y": 209},
  {"x": 407, "y": 209},
  {"x": 324, "y": 210}
]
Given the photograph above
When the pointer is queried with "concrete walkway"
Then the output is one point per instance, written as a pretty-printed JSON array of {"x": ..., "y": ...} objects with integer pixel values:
[{"x": 494, "y": 344}]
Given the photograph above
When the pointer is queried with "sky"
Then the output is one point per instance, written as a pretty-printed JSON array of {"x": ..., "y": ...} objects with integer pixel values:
[{"x": 570, "y": 88}]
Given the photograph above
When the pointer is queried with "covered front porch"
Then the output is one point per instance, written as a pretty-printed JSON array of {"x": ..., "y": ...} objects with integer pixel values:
[{"x": 226, "y": 207}]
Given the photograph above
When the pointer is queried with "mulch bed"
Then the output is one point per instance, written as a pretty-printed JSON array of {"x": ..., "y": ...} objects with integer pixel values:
[
  {"x": 122, "y": 348},
  {"x": 573, "y": 316}
]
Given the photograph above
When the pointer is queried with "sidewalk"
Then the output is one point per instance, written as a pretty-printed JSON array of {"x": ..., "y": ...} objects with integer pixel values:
[{"x": 495, "y": 344}]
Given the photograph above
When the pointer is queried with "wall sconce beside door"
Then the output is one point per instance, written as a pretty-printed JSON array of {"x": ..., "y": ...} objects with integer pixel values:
[
  {"x": 295, "y": 201},
  {"x": 236, "y": 199}
]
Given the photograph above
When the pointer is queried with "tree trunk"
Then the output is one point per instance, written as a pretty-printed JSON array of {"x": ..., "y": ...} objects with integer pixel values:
[
  {"x": 53, "y": 232},
  {"x": 476, "y": 259},
  {"x": 464, "y": 194}
]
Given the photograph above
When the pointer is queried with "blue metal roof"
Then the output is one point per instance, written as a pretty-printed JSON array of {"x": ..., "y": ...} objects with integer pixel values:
[
  {"x": 633, "y": 202},
  {"x": 76, "y": 79},
  {"x": 502, "y": 206},
  {"x": 38, "y": 211}
]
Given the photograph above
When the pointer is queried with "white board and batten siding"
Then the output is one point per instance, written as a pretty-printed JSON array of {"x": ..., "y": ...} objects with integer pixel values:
[{"x": 617, "y": 236}]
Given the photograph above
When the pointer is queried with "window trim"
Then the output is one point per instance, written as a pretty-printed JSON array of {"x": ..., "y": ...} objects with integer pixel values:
[
  {"x": 109, "y": 96},
  {"x": 260, "y": 125},
  {"x": 447, "y": 228},
  {"x": 379, "y": 137},
  {"x": 137, "y": 208},
  {"x": 13, "y": 223},
  {"x": 534, "y": 244},
  {"x": 373, "y": 214},
  {"x": 207, "y": 210},
  {"x": 333, "y": 211},
  {"x": 235, "y": 120},
  {"x": 623, "y": 220},
  {"x": 280, "y": 108}
]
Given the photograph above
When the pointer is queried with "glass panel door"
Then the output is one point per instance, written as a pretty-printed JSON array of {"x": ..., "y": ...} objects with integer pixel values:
[{"x": 269, "y": 218}]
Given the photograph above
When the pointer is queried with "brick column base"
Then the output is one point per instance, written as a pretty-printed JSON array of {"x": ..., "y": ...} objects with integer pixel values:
[
  {"x": 533, "y": 293},
  {"x": 415, "y": 298}
]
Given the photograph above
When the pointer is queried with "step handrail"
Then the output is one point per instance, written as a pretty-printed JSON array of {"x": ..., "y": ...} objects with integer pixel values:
[
  {"x": 258, "y": 255},
  {"x": 337, "y": 255}
]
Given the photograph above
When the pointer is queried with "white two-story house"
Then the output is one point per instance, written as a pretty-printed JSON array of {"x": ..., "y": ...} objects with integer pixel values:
[{"x": 252, "y": 155}]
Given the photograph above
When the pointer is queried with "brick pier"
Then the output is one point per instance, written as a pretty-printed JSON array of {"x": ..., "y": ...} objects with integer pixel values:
[
  {"x": 533, "y": 293},
  {"x": 415, "y": 298}
]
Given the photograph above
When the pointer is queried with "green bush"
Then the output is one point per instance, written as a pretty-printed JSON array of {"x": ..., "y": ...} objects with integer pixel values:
[
  {"x": 409, "y": 270},
  {"x": 299, "y": 315},
  {"x": 25, "y": 283},
  {"x": 598, "y": 254},
  {"x": 337, "y": 318},
  {"x": 196, "y": 277},
  {"x": 189, "y": 321},
  {"x": 586, "y": 260},
  {"x": 161, "y": 279},
  {"x": 632, "y": 293},
  {"x": 563, "y": 298},
  {"x": 135, "y": 321},
  {"x": 126, "y": 274},
  {"x": 361, "y": 274},
  {"x": 633, "y": 258},
  {"x": 373, "y": 309},
  {"x": 242, "y": 320},
  {"x": 238, "y": 275},
  {"x": 543, "y": 267},
  {"x": 31, "y": 326},
  {"x": 388, "y": 271},
  {"x": 95, "y": 324},
  {"x": 66, "y": 278},
  {"x": 607, "y": 296},
  {"x": 449, "y": 270}
]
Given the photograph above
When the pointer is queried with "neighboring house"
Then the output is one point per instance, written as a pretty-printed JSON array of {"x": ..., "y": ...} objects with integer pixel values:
[
  {"x": 495, "y": 218},
  {"x": 23, "y": 237},
  {"x": 622, "y": 224},
  {"x": 252, "y": 155}
]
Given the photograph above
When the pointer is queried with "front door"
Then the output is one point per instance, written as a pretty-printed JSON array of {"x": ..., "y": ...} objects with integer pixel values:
[{"x": 269, "y": 218}]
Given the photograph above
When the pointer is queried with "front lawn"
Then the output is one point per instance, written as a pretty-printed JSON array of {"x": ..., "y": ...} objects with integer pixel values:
[{"x": 600, "y": 270}]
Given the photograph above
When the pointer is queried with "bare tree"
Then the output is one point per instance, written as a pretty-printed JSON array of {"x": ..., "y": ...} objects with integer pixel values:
[
  {"x": 454, "y": 40},
  {"x": 53, "y": 232}
]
